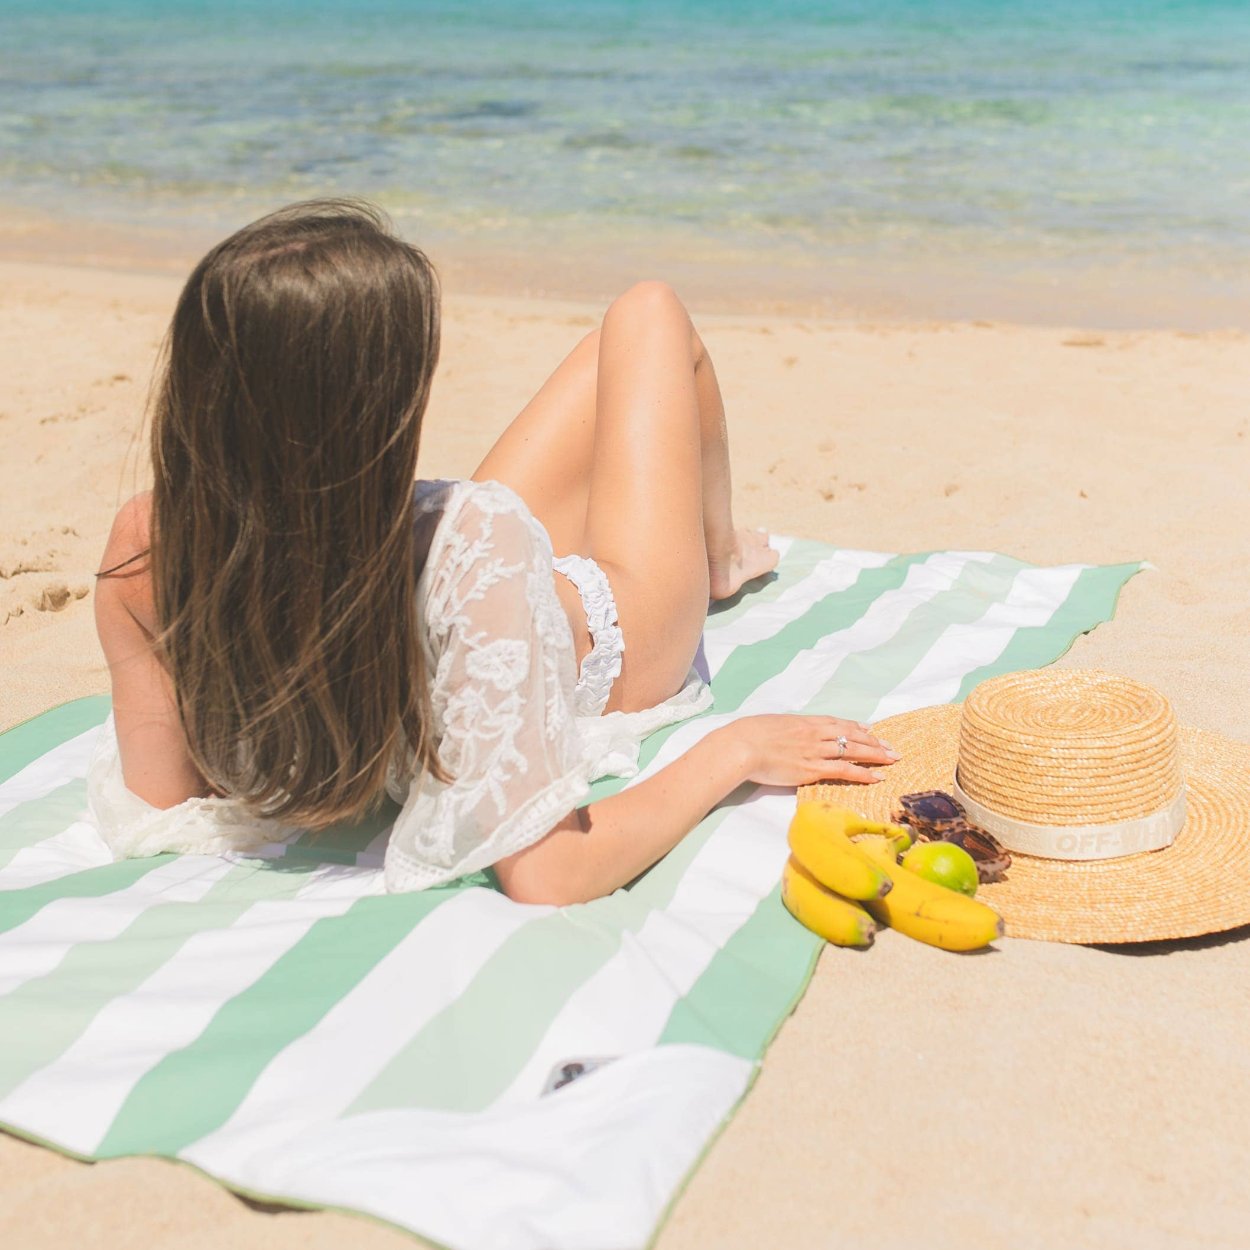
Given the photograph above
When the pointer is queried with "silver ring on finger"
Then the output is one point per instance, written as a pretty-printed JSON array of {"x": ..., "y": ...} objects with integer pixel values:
[{"x": 841, "y": 740}]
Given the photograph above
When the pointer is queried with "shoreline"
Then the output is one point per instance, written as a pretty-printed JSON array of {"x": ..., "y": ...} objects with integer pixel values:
[{"x": 716, "y": 276}]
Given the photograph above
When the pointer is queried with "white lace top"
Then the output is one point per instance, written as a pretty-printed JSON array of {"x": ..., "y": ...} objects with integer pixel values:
[{"x": 503, "y": 674}]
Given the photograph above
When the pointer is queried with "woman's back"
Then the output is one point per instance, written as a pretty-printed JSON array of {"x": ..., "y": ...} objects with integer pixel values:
[{"x": 513, "y": 755}]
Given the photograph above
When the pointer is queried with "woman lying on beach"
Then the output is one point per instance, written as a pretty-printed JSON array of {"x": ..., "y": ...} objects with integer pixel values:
[{"x": 294, "y": 627}]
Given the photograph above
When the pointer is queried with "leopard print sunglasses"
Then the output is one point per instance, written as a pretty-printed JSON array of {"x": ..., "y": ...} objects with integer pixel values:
[{"x": 935, "y": 816}]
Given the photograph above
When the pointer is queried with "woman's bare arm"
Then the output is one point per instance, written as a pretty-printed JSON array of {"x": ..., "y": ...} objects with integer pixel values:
[
  {"x": 607, "y": 844},
  {"x": 155, "y": 762}
]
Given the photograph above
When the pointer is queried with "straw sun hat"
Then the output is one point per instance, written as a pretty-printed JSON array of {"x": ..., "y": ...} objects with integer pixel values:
[{"x": 1078, "y": 773}]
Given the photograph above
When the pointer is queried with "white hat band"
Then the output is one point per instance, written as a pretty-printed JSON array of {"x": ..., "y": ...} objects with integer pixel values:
[{"x": 1124, "y": 837}]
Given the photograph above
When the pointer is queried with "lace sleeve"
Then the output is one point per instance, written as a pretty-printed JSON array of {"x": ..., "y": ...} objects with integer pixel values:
[{"x": 502, "y": 680}]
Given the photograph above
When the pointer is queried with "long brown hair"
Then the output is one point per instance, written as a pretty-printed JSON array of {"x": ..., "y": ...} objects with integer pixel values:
[{"x": 284, "y": 441}]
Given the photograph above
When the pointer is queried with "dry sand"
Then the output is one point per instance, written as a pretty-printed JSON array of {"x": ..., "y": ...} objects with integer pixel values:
[{"x": 1040, "y": 1096}]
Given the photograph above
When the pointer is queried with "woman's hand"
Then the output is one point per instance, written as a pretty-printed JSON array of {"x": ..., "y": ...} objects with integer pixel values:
[{"x": 800, "y": 750}]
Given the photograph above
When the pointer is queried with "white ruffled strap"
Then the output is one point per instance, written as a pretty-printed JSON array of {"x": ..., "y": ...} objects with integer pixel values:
[{"x": 602, "y": 666}]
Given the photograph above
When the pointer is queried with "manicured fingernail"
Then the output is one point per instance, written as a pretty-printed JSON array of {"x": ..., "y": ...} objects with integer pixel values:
[
  {"x": 862, "y": 724},
  {"x": 889, "y": 746},
  {"x": 877, "y": 776},
  {"x": 894, "y": 755}
]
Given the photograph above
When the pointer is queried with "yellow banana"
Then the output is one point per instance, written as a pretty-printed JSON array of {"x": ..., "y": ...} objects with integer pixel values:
[
  {"x": 819, "y": 840},
  {"x": 927, "y": 911},
  {"x": 826, "y": 914}
]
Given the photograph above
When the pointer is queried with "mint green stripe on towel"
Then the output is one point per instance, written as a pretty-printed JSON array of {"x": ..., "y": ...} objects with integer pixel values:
[
  {"x": 25, "y": 743},
  {"x": 18, "y": 906},
  {"x": 750, "y": 986},
  {"x": 39, "y": 819},
  {"x": 749, "y": 667},
  {"x": 44, "y": 1016},
  {"x": 1090, "y": 602},
  {"x": 469, "y": 1053},
  {"x": 856, "y": 685},
  {"x": 195, "y": 1090}
]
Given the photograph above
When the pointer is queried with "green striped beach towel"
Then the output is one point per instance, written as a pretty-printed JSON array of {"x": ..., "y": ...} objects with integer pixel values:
[{"x": 284, "y": 1025}]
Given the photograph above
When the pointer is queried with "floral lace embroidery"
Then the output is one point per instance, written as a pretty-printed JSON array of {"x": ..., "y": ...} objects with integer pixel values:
[{"x": 501, "y": 654}]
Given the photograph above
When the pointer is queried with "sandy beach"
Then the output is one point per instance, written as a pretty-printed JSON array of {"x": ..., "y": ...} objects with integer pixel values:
[{"x": 1043, "y": 1096}]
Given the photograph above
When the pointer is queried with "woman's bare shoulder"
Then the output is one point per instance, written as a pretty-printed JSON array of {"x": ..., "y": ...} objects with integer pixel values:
[
  {"x": 132, "y": 524},
  {"x": 125, "y": 575}
]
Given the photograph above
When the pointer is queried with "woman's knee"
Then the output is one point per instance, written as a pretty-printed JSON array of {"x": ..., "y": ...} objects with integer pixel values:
[
  {"x": 655, "y": 305},
  {"x": 651, "y": 292}
]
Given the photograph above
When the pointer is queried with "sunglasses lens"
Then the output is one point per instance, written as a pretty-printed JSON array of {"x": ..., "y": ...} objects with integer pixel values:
[
  {"x": 977, "y": 846},
  {"x": 933, "y": 808},
  {"x": 990, "y": 858}
]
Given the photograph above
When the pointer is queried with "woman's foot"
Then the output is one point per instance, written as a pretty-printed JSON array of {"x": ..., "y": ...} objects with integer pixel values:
[{"x": 751, "y": 557}]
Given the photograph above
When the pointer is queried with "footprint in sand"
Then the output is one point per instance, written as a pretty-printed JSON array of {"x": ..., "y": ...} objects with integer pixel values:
[
  {"x": 55, "y": 595},
  {"x": 36, "y": 553},
  {"x": 13, "y": 564}
]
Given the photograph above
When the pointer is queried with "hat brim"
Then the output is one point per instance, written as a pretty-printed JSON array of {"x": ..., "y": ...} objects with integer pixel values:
[{"x": 1200, "y": 884}]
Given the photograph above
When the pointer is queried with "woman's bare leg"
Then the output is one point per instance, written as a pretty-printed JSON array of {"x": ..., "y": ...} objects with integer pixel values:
[
  {"x": 632, "y": 445},
  {"x": 545, "y": 454}
]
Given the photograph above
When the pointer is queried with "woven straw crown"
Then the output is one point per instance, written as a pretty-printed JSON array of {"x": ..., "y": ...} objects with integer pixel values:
[{"x": 1093, "y": 749}]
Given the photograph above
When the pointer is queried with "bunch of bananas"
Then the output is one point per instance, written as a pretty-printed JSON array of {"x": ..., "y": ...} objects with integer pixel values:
[{"x": 843, "y": 878}]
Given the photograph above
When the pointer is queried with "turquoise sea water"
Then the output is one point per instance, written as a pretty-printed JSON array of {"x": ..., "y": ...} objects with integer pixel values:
[{"x": 1057, "y": 130}]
